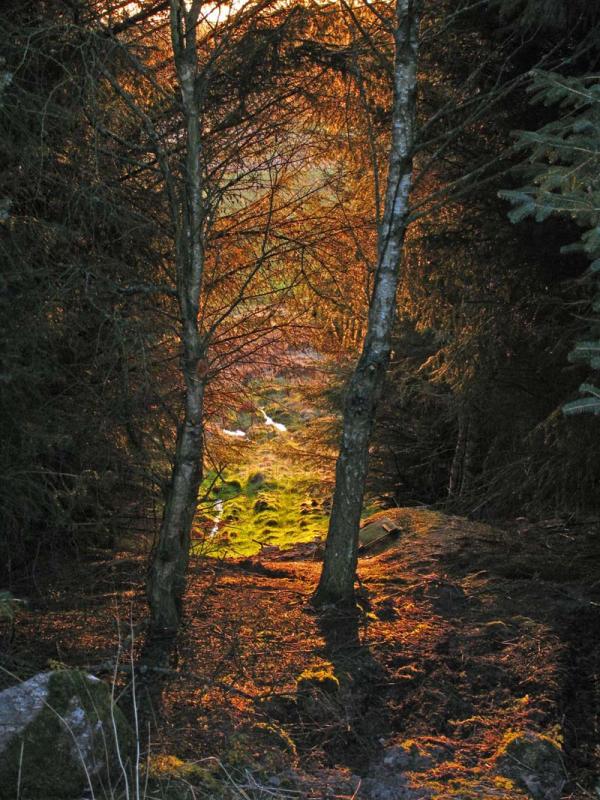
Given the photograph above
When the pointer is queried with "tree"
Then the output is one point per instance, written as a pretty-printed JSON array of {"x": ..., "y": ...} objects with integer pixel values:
[
  {"x": 223, "y": 166},
  {"x": 77, "y": 381},
  {"x": 166, "y": 581},
  {"x": 175, "y": 206},
  {"x": 337, "y": 578},
  {"x": 563, "y": 169},
  {"x": 454, "y": 114}
]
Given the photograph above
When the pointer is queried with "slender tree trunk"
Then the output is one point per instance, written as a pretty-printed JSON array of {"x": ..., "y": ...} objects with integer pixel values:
[
  {"x": 462, "y": 471},
  {"x": 339, "y": 569},
  {"x": 167, "y": 576},
  {"x": 456, "y": 470},
  {"x": 471, "y": 447}
]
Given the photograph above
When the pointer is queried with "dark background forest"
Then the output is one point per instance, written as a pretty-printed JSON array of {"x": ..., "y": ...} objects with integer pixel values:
[{"x": 488, "y": 310}]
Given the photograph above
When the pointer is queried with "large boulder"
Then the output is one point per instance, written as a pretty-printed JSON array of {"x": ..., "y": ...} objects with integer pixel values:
[{"x": 60, "y": 733}]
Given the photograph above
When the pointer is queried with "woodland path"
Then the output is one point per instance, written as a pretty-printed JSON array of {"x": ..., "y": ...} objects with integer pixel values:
[
  {"x": 271, "y": 478},
  {"x": 466, "y": 634},
  {"x": 469, "y": 634}
]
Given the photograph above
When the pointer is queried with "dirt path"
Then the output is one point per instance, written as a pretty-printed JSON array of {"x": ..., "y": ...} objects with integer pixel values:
[{"x": 468, "y": 636}]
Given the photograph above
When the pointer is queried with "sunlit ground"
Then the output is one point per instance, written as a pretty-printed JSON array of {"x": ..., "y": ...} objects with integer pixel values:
[
  {"x": 455, "y": 651},
  {"x": 274, "y": 490}
]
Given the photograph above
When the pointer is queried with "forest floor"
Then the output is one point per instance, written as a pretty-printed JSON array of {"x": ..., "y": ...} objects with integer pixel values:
[{"x": 466, "y": 636}]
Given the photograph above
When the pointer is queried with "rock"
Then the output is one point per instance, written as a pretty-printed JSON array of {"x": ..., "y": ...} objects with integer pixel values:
[
  {"x": 534, "y": 762},
  {"x": 378, "y": 535},
  {"x": 390, "y": 786},
  {"x": 56, "y": 729},
  {"x": 408, "y": 756},
  {"x": 264, "y": 749},
  {"x": 397, "y": 774},
  {"x": 257, "y": 479},
  {"x": 262, "y": 505},
  {"x": 416, "y": 755}
]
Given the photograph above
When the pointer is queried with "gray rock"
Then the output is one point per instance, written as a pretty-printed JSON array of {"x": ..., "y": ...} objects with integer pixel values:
[
  {"x": 408, "y": 756},
  {"x": 389, "y": 786},
  {"x": 535, "y": 763},
  {"x": 60, "y": 734},
  {"x": 387, "y": 779}
]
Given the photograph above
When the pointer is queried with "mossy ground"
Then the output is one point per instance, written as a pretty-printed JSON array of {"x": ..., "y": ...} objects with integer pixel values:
[
  {"x": 279, "y": 511},
  {"x": 274, "y": 491}
]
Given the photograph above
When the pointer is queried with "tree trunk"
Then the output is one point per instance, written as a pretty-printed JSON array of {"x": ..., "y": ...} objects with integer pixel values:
[
  {"x": 462, "y": 471},
  {"x": 469, "y": 461},
  {"x": 337, "y": 578},
  {"x": 456, "y": 470},
  {"x": 167, "y": 575}
]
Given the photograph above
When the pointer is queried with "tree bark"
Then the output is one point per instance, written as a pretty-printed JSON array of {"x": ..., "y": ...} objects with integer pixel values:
[
  {"x": 167, "y": 575},
  {"x": 336, "y": 584},
  {"x": 462, "y": 471},
  {"x": 456, "y": 470}
]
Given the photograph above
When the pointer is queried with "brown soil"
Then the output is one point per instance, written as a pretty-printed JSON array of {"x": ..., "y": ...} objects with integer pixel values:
[{"x": 467, "y": 633}]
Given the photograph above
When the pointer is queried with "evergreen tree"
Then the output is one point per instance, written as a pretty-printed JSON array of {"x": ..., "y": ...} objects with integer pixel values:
[{"x": 563, "y": 174}]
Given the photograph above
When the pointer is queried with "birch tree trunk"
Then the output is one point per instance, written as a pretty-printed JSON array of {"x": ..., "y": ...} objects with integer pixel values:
[
  {"x": 336, "y": 584},
  {"x": 167, "y": 575}
]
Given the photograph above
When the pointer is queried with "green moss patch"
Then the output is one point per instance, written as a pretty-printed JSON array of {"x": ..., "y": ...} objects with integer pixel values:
[{"x": 281, "y": 509}]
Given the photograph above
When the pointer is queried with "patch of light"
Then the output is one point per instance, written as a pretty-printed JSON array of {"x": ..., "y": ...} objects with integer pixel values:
[
  {"x": 220, "y": 11},
  {"x": 214, "y": 13},
  {"x": 279, "y": 426},
  {"x": 237, "y": 433},
  {"x": 218, "y": 507},
  {"x": 133, "y": 8}
]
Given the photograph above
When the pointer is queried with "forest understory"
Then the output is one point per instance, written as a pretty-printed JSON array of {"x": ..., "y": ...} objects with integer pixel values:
[{"x": 466, "y": 635}]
